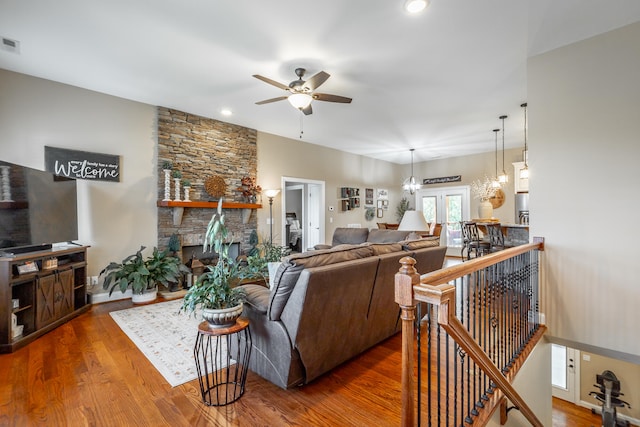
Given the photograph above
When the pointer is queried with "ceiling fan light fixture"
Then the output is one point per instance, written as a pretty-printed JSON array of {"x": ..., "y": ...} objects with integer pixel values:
[
  {"x": 300, "y": 100},
  {"x": 415, "y": 6}
]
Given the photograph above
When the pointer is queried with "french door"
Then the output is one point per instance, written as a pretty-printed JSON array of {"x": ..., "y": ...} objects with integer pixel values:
[{"x": 448, "y": 206}]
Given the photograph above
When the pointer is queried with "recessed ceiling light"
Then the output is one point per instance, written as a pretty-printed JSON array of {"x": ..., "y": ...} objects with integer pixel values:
[
  {"x": 415, "y": 6},
  {"x": 226, "y": 112}
]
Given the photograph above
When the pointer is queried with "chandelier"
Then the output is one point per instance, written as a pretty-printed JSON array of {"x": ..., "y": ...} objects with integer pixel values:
[{"x": 410, "y": 183}]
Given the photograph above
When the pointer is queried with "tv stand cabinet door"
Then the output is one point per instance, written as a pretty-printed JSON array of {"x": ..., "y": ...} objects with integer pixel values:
[
  {"x": 45, "y": 306},
  {"x": 63, "y": 294}
]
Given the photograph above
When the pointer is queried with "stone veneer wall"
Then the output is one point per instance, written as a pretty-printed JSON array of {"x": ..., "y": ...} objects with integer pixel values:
[{"x": 199, "y": 148}]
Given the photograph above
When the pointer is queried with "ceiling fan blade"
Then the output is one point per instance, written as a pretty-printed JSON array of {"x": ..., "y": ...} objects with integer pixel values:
[
  {"x": 315, "y": 81},
  {"x": 307, "y": 110},
  {"x": 331, "y": 98},
  {"x": 271, "y": 82},
  {"x": 267, "y": 101}
]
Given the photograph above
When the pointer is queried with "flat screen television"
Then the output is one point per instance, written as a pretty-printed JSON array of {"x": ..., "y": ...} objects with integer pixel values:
[{"x": 41, "y": 210}]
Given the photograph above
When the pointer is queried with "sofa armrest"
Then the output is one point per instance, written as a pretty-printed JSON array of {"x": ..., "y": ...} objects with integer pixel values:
[
  {"x": 321, "y": 247},
  {"x": 257, "y": 297}
]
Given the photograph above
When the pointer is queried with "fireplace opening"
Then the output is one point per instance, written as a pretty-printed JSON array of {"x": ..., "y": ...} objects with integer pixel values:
[{"x": 209, "y": 257}]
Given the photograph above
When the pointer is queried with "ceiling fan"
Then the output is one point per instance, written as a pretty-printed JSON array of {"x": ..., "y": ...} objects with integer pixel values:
[{"x": 302, "y": 91}]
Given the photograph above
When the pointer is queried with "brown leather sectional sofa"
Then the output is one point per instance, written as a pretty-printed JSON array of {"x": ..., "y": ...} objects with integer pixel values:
[{"x": 328, "y": 306}]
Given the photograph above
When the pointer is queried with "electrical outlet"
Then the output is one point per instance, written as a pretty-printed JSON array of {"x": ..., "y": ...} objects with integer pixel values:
[{"x": 94, "y": 280}]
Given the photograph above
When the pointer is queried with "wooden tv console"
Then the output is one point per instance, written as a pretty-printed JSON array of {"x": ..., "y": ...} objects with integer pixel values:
[{"x": 43, "y": 290}]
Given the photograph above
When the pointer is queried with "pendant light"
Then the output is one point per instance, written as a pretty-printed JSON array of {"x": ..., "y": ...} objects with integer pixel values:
[
  {"x": 524, "y": 172},
  {"x": 494, "y": 182},
  {"x": 503, "y": 178},
  {"x": 410, "y": 183}
]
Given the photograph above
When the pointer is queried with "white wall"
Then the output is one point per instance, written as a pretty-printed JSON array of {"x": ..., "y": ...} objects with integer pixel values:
[
  {"x": 114, "y": 218},
  {"x": 533, "y": 384},
  {"x": 279, "y": 156},
  {"x": 584, "y": 105}
]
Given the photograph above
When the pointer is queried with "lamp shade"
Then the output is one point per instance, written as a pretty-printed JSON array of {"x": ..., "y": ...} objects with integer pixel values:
[
  {"x": 413, "y": 221},
  {"x": 271, "y": 193}
]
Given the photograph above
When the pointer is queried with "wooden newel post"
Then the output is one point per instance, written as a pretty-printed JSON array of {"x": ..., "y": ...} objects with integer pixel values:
[{"x": 405, "y": 279}]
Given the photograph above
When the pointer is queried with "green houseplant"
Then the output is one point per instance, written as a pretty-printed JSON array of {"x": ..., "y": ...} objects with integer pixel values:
[
  {"x": 215, "y": 292},
  {"x": 142, "y": 275}
]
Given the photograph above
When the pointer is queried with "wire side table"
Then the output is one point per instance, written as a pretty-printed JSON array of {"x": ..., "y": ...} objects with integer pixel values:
[{"x": 222, "y": 375}]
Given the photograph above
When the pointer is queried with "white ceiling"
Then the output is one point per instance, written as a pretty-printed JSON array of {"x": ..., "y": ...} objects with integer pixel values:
[{"x": 436, "y": 82}]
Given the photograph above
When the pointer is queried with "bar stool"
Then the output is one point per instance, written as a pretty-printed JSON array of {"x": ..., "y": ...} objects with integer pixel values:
[
  {"x": 496, "y": 237},
  {"x": 471, "y": 241}
]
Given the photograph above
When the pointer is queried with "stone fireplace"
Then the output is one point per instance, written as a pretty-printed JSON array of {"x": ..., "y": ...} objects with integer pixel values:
[{"x": 200, "y": 148}]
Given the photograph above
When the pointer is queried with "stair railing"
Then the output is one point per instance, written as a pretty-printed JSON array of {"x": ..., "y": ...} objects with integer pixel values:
[{"x": 480, "y": 320}]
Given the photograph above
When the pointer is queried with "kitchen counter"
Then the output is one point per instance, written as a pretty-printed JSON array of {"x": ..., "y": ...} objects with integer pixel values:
[{"x": 514, "y": 234}]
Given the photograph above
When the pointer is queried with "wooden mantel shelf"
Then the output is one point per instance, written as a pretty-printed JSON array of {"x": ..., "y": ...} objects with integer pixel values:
[
  {"x": 209, "y": 205},
  {"x": 178, "y": 208}
]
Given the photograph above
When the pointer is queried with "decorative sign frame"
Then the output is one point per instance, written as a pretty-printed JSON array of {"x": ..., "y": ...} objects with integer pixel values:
[
  {"x": 442, "y": 179},
  {"x": 82, "y": 164}
]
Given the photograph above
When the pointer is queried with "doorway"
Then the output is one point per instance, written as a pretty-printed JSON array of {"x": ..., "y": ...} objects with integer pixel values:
[
  {"x": 448, "y": 206},
  {"x": 304, "y": 198},
  {"x": 565, "y": 366}
]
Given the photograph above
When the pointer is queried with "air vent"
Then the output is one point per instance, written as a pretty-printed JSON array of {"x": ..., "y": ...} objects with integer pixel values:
[{"x": 10, "y": 45}]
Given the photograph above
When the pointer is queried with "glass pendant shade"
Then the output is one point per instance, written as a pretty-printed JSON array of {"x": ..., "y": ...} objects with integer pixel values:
[{"x": 300, "y": 100}]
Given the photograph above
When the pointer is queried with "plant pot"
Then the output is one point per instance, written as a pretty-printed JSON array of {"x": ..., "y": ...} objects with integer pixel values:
[
  {"x": 222, "y": 317},
  {"x": 485, "y": 210},
  {"x": 148, "y": 296}
]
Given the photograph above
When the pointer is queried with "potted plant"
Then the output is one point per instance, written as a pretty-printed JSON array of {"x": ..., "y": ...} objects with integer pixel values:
[
  {"x": 215, "y": 292},
  {"x": 249, "y": 189},
  {"x": 142, "y": 275},
  {"x": 273, "y": 255},
  {"x": 403, "y": 206}
]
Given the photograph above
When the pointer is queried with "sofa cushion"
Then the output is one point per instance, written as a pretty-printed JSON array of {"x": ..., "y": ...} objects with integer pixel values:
[
  {"x": 283, "y": 283},
  {"x": 291, "y": 267},
  {"x": 383, "y": 248},
  {"x": 386, "y": 236},
  {"x": 351, "y": 236},
  {"x": 334, "y": 255},
  {"x": 257, "y": 296},
  {"x": 426, "y": 242}
]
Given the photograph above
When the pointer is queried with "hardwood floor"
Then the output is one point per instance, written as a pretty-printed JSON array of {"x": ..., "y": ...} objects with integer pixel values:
[{"x": 88, "y": 373}]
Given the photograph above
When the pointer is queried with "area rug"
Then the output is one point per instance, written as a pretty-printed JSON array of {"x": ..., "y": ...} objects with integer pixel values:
[{"x": 165, "y": 336}]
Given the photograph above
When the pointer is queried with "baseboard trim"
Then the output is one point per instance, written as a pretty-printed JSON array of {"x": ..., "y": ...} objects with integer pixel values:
[{"x": 99, "y": 298}]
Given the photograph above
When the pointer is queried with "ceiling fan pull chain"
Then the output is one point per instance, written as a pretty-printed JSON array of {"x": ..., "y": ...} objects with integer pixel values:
[{"x": 301, "y": 117}]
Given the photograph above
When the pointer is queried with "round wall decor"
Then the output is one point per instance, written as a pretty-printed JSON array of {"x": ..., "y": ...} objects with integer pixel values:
[
  {"x": 215, "y": 186},
  {"x": 498, "y": 199}
]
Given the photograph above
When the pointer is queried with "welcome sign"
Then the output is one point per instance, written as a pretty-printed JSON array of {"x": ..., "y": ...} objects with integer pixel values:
[{"x": 82, "y": 164}]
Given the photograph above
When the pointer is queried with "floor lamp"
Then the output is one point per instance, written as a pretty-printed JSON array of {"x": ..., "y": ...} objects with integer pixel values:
[{"x": 270, "y": 195}]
